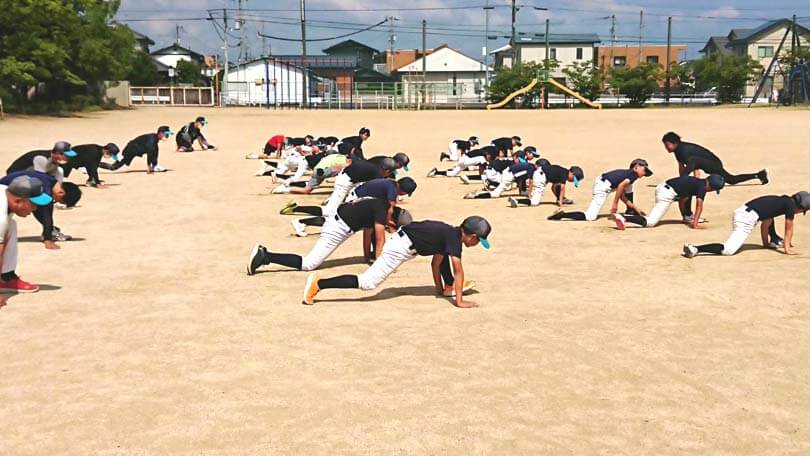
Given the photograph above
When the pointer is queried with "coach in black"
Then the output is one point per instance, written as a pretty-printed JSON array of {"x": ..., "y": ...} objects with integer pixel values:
[
  {"x": 88, "y": 156},
  {"x": 191, "y": 132},
  {"x": 352, "y": 146},
  {"x": 147, "y": 144},
  {"x": 692, "y": 156},
  {"x": 505, "y": 145}
]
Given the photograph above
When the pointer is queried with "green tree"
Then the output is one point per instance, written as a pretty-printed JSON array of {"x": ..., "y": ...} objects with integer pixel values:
[
  {"x": 729, "y": 73},
  {"x": 585, "y": 79},
  {"x": 508, "y": 80},
  {"x": 143, "y": 71},
  {"x": 638, "y": 83},
  {"x": 188, "y": 72}
]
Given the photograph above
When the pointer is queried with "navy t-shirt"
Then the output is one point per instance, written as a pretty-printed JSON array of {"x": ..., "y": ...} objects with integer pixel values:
[
  {"x": 773, "y": 206},
  {"x": 48, "y": 181},
  {"x": 500, "y": 164},
  {"x": 434, "y": 238},
  {"x": 688, "y": 186},
  {"x": 382, "y": 188},
  {"x": 616, "y": 177},
  {"x": 522, "y": 171},
  {"x": 504, "y": 144},
  {"x": 462, "y": 145},
  {"x": 686, "y": 150},
  {"x": 364, "y": 213}
]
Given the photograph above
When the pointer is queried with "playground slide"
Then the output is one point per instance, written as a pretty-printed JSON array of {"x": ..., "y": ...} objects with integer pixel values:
[
  {"x": 512, "y": 95},
  {"x": 574, "y": 94}
]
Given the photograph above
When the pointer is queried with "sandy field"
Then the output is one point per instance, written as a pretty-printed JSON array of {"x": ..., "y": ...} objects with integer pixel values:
[{"x": 148, "y": 337}]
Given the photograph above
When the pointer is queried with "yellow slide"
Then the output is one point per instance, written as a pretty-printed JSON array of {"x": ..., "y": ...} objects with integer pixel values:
[
  {"x": 574, "y": 94},
  {"x": 512, "y": 95}
]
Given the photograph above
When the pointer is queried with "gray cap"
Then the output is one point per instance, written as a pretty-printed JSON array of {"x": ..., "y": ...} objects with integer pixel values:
[
  {"x": 402, "y": 217},
  {"x": 31, "y": 188},
  {"x": 479, "y": 226},
  {"x": 388, "y": 163},
  {"x": 717, "y": 182},
  {"x": 641, "y": 162},
  {"x": 802, "y": 200},
  {"x": 402, "y": 159}
]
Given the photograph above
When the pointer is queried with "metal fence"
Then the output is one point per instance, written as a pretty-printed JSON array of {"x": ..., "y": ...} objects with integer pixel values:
[{"x": 172, "y": 96}]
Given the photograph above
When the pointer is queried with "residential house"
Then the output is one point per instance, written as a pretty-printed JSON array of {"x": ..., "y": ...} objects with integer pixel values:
[
  {"x": 142, "y": 42},
  {"x": 453, "y": 74},
  {"x": 565, "y": 48},
  {"x": 760, "y": 44},
  {"x": 268, "y": 81},
  {"x": 389, "y": 61},
  {"x": 630, "y": 56}
]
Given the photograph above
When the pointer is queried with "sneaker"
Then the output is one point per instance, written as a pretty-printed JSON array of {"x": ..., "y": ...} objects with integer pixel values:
[
  {"x": 689, "y": 251},
  {"x": 470, "y": 195},
  {"x": 450, "y": 291},
  {"x": 299, "y": 228},
  {"x": 557, "y": 215},
  {"x": 281, "y": 189},
  {"x": 289, "y": 208},
  {"x": 688, "y": 220},
  {"x": 18, "y": 285},
  {"x": 619, "y": 219},
  {"x": 265, "y": 168},
  {"x": 253, "y": 156},
  {"x": 91, "y": 183},
  {"x": 567, "y": 201},
  {"x": 60, "y": 236},
  {"x": 256, "y": 259},
  {"x": 432, "y": 172},
  {"x": 159, "y": 169},
  {"x": 776, "y": 243},
  {"x": 464, "y": 179},
  {"x": 444, "y": 157},
  {"x": 311, "y": 289},
  {"x": 513, "y": 202},
  {"x": 763, "y": 176}
]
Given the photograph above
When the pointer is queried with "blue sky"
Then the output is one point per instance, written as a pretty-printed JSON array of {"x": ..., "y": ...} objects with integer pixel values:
[{"x": 460, "y": 23}]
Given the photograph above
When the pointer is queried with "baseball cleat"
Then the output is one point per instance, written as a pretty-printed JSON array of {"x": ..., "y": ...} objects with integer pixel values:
[
  {"x": 464, "y": 179},
  {"x": 159, "y": 169},
  {"x": 281, "y": 189},
  {"x": 444, "y": 157},
  {"x": 311, "y": 289},
  {"x": 689, "y": 251},
  {"x": 557, "y": 215},
  {"x": 470, "y": 195},
  {"x": 619, "y": 219},
  {"x": 253, "y": 156},
  {"x": 450, "y": 291},
  {"x": 513, "y": 202},
  {"x": 432, "y": 172},
  {"x": 299, "y": 228},
  {"x": 763, "y": 176},
  {"x": 567, "y": 201},
  {"x": 256, "y": 259},
  {"x": 289, "y": 208}
]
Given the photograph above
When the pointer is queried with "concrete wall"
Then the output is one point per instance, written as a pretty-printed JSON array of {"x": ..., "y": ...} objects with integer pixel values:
[
  {"x": 117, "y": 92},
  {"x": 246, "y": 84}
]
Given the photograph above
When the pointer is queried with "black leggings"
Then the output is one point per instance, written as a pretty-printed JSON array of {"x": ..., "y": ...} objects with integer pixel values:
[
  {"x": 350, "y": 281},
  {"x": 716, "y": 167}
]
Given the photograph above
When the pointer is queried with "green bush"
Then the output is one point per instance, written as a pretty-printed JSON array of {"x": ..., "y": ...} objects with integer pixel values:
[
  {"x": 638, "y": 83},
  {"x": 729, "y": 73},
  {"x": 508, "y": 80}
]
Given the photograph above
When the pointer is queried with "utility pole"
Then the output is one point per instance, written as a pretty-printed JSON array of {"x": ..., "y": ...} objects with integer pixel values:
[
  {"x": 304, "y": 52},
  {"x": 424, "y": 60},
  {"x": 513, "y": 39},
  {"x": 392, "y": 38},
  {"x": 177, "y": 28},
  {"x": 668, "y": 83},
  {"x": 224, "y": 101},
  {"x": 612, "y": 38},
  {"x": 487, "y": 8},
  {"x": 547, "y": 42},
  {"x": 640, "y": 35}
]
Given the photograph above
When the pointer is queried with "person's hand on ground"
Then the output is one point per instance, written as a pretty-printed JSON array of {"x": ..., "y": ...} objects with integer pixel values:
[{"x": 51, "y": 245}]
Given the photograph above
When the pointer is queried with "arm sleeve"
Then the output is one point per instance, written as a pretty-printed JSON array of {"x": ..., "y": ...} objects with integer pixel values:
[
  {"x": 40, "y": 163},
  {"x": 152, "y": 153},
  {"x": 790, "y": 209}
]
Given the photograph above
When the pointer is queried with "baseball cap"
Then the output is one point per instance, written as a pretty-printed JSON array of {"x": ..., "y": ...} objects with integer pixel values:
[
  {"x": 517, "y": 140},
  {"x": 31, "y": 188},
  {"x": 642, "y": 162},
  {"x": 365, "y": 130},
  {"x": 521, "y": 156},
  {"x": 802, "y": 200},
  {"x": 402, "y": 159},
  {"x": 542, "y": 163},
  {"x": 473, "y": 140},
  {"x": 166, "y": 130},
  {"x": 112, "y": 148},
  {"x": 478, "y": 226},
  {"x": 578, "y": 175},
  {"x": 64, "y": 147},
  {"x": 201, "y": 120},
  {"x": 717, "y": 182},
  {"x": 402, "y": 217},
  {"x": 388, "y": 163},
  {"x": 407, "y": 185}
]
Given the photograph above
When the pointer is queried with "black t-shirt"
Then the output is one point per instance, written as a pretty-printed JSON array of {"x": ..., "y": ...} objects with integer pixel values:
[
  {"x": 616, "y": 177},
  {"x": 192, "y": 131},
  {"x": 434, "y": 238},
  {"x": 556, "y": 174},
  {"x": 364, "y": 213},
  {"x": 143, "y": 144},
  {"x": 503, "y": 144},
  {"x": 352, "y": 146},
  {"x": 773, "y": 206},
  {"x": 483, "y": 151},
  {"x": 500, "y": 164},
  {"x": 462, "y": 145},
  {"x": 362, "y": 171},
  {"x": 86, "y": 154},
  {"x": 522, "y": 171},
  {"x": 688, "y": 186},
  {"x": 313, "y": 159},
  {"x": 686, "y": 150},
  {"x": 26, "y": 160},
  {"x": 297, "y": 141}
]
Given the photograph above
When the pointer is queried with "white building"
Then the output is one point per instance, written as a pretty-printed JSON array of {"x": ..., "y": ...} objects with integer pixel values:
[
  {"x": 565, "y": 48},
  {"x": 273, "y": 82},
  {"x": 452, "y": 75}
]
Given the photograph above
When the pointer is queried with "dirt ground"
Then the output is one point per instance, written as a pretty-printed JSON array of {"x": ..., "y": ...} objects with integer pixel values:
[{"x": 148, "y": 337}]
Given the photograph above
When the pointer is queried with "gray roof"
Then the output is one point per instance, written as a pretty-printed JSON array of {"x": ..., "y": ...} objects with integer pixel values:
[
  {"x": 718, "y": 42},
  {"x": 559, "y": 38},
  {"x": 747, "y": 35}
]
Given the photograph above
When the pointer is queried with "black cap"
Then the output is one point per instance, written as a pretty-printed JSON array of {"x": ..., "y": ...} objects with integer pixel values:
[
  {"x": 200, "y": 119},
  {"x": 802, "y": 200},
  {"x": 165, "y": 129},
  {"x": 717, "y": 182},
  {"x": 542, "y": 162},
  {"x": 473, "y": 140},
  {"x": 517, "y": 140},
  {"x": 388, "y": 163},
  {"x": 478, "y": 226},
  {"x": 530, "y": 150},
  {"x": 642, "y": 162},
  {"x": 111, "y": 148},
  {"x": 407, "y": 185},
  {"x": 671, "y": 137},
  {"x": 577, "y": 172},
  {"x": 402, "y": 160},
  {"x": 365, "y": 130}
]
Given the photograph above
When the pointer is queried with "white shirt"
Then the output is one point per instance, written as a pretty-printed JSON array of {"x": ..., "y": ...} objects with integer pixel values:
[{"x": 5, "y": 217}]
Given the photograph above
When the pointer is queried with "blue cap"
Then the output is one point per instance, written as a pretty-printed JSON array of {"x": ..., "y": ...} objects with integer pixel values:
[
  {"x": 43, "y": 199},
  {"x": 70, "y": 153},
  {"x": 576, "y": 182},
  {"x": 31, "y": 188},
  {"x": 484, "y": 243}
]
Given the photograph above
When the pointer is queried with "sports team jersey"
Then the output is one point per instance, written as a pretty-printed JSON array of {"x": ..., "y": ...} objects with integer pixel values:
[
  {"x": 556, "y": 174},
  {"x": 773, "y": 206},
  {"x": 483, "y": 151},
  {"x": 617, "y": 176},
  {"x": 434, "y": 238},
  {"x": 362, "y": 171},
  {"x": 364, "y": 213},
  {"x": 686, "y": 150},
  {"x": 522, "y": 171},
  {"x": 462, "y": 145},
  {"x": 688, "y": 186},
  {"x": 500, "y": 164},
  {"x": 504, "y": 144},
  {"x": 382, "y": 188}
]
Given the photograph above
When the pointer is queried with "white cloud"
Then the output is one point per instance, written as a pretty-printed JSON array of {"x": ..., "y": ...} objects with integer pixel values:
[{"x": 724, "y": 11}]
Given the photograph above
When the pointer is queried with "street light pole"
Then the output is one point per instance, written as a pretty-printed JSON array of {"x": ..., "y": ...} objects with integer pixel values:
[{"x": 304, "y": 52}]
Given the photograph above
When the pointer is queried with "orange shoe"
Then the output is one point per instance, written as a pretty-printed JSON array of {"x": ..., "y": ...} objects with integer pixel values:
[{"x": 311, "y": 289}]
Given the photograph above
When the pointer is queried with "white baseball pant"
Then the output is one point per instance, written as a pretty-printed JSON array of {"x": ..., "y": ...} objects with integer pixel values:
[
  {"x": 10, "y": 242},
  {"x": 539, "y": 186},
  {"x": 333, "y": 233},
  {"x": 293, "y": 161},
  {"x": 490, "y": 175},
  {"x": 506, "y": 180},
  {"x": 664, "y": 197},
  {"x": 743, "y": 223},
  {"x": 343, "y": 185},
  {"x": 452, "y": 150},
  {"x": 465, "y": 162},
  {"x": 398, "y": 249},
  {"x": 601, "y": 190}
]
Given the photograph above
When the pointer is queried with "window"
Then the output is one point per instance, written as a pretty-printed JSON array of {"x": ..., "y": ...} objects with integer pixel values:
[
  {"x": 652, "y": 59},
  {"x": 579, "y": 53},
  {"x": 619, "y": 61},
  {"x": 552, "y": 53},
  {"x": 765, "y": 51},
  {"x": 455, "y": 81}
]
